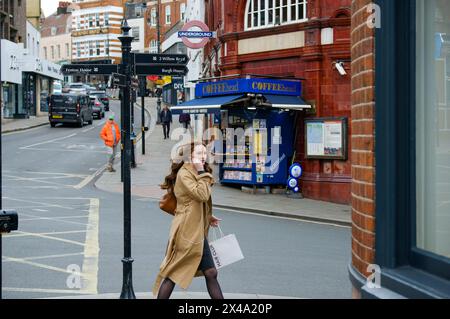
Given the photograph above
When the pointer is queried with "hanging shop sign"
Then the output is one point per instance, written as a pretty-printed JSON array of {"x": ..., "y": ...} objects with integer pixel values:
[
  {"x": 256, "y": 86},
  {"x": 326, "y": 138}
]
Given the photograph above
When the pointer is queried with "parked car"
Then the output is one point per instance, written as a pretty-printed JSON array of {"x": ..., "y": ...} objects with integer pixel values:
[
  {"x": 98, "y": 110},
  {"x": 70, "y": 108},
  {"x": 78, "y": 88},
  {"x": 102, "y": 97},
  {"x": 57, "y": 87}
]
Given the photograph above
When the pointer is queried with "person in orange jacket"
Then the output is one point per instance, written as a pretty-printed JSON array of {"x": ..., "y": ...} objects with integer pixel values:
[{"x": 110, "y": 134}]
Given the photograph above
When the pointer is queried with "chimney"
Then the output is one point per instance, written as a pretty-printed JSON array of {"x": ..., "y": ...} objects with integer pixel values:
[{"x": 62, "y": 7}]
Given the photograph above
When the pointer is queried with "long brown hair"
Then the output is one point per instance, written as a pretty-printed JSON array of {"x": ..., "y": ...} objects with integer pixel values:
[{"x": 185, "y": 152}]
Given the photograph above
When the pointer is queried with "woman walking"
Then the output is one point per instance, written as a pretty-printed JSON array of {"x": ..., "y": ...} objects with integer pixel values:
[{"x": 188, "y": 254}]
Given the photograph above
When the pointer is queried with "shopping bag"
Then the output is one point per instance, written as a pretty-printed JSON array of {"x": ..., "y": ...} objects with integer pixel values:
[{"x": 225, "y": 250}]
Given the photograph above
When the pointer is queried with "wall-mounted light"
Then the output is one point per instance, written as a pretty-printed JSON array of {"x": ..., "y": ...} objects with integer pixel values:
[{"x": 340, "y": 67}]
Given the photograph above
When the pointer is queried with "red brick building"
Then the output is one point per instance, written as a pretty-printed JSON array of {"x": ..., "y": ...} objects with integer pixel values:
[
  {"x": 292, "y": 39},
  {"x": 170, "y": 13}
]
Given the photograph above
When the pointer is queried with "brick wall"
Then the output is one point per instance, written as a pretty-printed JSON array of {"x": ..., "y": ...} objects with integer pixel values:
[{"x": 363, "y": 138}]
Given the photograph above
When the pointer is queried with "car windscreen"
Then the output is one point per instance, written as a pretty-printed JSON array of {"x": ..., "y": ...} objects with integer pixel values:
[{"x": 63, "y": 99}]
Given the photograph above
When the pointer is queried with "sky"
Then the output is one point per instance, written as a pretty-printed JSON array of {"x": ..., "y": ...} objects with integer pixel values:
[{"x": 49, "y": 6}]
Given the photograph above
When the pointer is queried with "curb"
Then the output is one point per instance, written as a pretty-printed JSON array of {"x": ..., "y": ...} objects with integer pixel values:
[
  {"x": 287, "y": 215},
  {"x": 24, "y": 128},
  {"x": 340, "y": 223}
]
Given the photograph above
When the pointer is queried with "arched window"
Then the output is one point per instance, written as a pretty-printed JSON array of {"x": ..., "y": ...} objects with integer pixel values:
[{"x": 269, "y": 13}]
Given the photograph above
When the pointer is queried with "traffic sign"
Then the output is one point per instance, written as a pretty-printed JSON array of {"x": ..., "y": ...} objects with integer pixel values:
[
  {"x": 118, "y": 79},
  {"x": 164, "y": 69},
  {"x": 96, "y": 69},
  {"x": 143, "y": 58}
]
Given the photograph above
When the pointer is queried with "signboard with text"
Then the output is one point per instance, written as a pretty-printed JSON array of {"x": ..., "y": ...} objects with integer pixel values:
[
  {"x": 326, "y": 138},
  {"x": 93, "y": 69},
  {"x": 257, "y": 86}
]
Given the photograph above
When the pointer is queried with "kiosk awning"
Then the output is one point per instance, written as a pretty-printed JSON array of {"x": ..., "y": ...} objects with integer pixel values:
[
  {"x": 287, "y": 102},
  {"x": 204, "y": 105}
]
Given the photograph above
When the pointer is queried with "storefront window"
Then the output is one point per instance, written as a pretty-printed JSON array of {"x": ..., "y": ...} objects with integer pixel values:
[
  {"x": 8, "y": 100},
  {"x": 433, "y": 126},
  {"x": 45, "y": 93},
  {"x": 269, "y": 13}
]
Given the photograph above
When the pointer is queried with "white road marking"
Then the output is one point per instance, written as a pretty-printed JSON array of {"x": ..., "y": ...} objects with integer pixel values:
[
  {"x": 48, "y": 257},
  {"x": 52, "y": 218},
  {"x": 52, "y": 238},
  {"x": 91, "y": 249},
  {"x": 88, "y": 179},
  {"x": 53, "y": 233},
  {"x": 65, "y": 150},
  {"x": 40, "y": 203},
  {"x": 39, "y": 265},
  {"x": 51, "y": 291},
  {"x": 89, "y": 129},
  {"x": 40, "y": 210},
  {"x": 36, "y": 180},
  {"x": 49, "y": 141}
]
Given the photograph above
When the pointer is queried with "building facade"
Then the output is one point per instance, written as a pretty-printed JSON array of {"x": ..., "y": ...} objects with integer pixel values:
[
  {"x": 170, "y": 13},
  {"x": 292, "y": 39},
  {"x": 401, "y": 162},
  {"x": 34, "y": 12},
  {"x": 12, "y": 20},
  {"x": 56, "y": 39},
  {"x": 26, "y": 79},
  {"x": 95, "y": 31},
  {"x": 134, "y": 13}
]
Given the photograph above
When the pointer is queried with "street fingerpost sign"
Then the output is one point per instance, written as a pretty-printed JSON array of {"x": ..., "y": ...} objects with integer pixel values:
[
  {"x": 160, "y": 69},
  {"x": 94, "y": 69},
  {"x": 118, "y": 79},
  {"x": 150, "y": 58}
]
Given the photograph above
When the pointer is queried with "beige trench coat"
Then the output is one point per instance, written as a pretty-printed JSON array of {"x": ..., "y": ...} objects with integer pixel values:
[{"x": 190, "y": 226}]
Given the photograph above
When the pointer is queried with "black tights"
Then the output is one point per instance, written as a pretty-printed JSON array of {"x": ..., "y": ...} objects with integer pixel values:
[{"x": 211, "y": 283}]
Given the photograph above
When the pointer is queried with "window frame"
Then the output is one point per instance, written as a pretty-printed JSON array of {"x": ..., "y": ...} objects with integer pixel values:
[
  {"x": 249, "y": 10},
  {"x": 168, "y": 14},
  {"x": 404, "y": 266}
]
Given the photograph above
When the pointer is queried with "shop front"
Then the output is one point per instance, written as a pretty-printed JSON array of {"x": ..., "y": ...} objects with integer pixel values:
[
  {"x": 11, "y": 78},
  {"x": 38, "y": 77},
  {"x": 250, "y": 127}
]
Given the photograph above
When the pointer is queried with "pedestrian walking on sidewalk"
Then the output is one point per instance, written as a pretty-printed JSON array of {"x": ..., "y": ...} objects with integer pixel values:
[
  {"x": 185, "y": 119},
  {"x": 110, "y": 134},
  {"x": 166, "y": 119},
  {"x": 188, "y": 254}
]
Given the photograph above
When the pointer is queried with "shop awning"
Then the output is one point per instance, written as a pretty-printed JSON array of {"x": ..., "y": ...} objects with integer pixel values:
[
  {"x": 204, "y": 105},
  {"x": 287, "y": 102}
]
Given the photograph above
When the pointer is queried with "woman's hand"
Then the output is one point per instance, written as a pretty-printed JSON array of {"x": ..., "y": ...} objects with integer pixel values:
[{"x": 214, "y": 221}]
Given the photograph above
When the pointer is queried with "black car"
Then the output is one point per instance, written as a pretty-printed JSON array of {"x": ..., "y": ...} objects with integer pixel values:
[
  {"x": 102, "y": 97},
  {"x": 70, "y": 108}
]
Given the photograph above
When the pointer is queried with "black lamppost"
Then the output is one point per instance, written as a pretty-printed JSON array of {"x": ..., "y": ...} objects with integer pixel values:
[
  {"x": 126, "y": 39},
  {"x": 158, "y": 34}
]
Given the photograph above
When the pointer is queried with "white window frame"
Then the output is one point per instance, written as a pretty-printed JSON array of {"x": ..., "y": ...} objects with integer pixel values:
[
  {"x": 153, "y": 46},
  {"x": 250, "y": 10},
  {"x": 168, "y": 14},
  {"x": 52, "y": 50},
  {"x": 97, "y": 20},
  {"x": 106, "y": 19},
  {"x": 153, "y": 17},
  {"x": 135, "y": 33},
  {"x": 183, "y": 11}
]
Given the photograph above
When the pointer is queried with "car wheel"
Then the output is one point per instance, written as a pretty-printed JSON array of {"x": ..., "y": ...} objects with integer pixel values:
[
  {"x": 91, "y": 121},
  {"x": 103, "y": 114},
  {"x": 81, "y": 122},
  {"x": 52, "y": 124}
]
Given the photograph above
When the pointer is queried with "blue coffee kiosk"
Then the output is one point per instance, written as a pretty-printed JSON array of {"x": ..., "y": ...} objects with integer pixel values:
[{"x": 256, "y": 118}]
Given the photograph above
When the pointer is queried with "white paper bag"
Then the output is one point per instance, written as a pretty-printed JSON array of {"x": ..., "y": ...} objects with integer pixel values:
[{"x": 225, "y": 250}]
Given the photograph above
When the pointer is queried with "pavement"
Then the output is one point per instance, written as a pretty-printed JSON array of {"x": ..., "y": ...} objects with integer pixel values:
[
  {"x": 153, "y": 167},
  {"x": 13, "y": 125}
]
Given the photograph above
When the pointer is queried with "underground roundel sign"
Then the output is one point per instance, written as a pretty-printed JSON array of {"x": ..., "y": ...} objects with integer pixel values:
[{"x": 195, "y": 29}]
